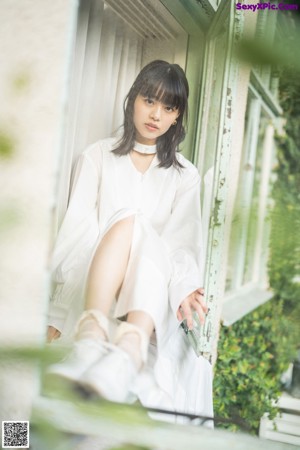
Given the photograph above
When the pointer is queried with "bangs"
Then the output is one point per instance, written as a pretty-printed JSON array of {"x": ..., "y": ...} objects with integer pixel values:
[{"x": 166, "y": 88}]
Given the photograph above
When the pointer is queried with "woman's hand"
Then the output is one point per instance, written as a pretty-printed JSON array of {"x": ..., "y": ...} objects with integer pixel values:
[
  {"x": 52, "y": 334},
  {"x": 194, "y": 302}
]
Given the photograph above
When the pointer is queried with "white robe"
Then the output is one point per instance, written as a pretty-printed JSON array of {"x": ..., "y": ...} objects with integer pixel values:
[{"x": 164, "y": 265}]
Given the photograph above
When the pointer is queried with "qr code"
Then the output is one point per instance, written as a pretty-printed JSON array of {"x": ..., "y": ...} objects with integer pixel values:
[{"x": 15, "y": 434}]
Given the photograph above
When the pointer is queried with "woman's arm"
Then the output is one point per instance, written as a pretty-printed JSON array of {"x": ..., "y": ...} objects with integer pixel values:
[{"x": 183, "y": 236}]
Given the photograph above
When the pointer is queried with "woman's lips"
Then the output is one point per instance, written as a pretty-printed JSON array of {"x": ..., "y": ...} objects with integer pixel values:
[{"x": 151, "y": 126}]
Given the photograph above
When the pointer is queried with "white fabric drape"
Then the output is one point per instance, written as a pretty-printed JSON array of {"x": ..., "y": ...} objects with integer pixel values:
[{"x": 106, "y": 59}]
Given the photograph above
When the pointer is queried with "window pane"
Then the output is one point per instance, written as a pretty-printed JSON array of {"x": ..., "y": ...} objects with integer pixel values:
[
  {"x": 254, "y": 208},
  {"x": 249, "y": 230},
  {"x": 240, "y": 222}
]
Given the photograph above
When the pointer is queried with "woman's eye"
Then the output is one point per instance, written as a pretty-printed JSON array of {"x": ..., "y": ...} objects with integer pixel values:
[
  {"x": 149, "y": 101},
  {"x": 169, "y": 108}
]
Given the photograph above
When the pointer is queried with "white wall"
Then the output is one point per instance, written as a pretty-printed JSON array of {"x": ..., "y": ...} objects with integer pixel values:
[{"x": 34, "y": 46}]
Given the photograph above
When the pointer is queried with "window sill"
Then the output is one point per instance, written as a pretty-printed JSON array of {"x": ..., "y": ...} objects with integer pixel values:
[{"x": 238, "y": 304}]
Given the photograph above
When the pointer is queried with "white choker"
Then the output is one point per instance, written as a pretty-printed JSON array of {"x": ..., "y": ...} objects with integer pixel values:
[{"x": 145, "y": 149}]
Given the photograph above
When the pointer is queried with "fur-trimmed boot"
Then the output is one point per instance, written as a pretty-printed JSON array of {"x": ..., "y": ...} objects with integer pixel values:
[
  {"x": 114, "y": 374},
  {"x": 91, "y": 344}
]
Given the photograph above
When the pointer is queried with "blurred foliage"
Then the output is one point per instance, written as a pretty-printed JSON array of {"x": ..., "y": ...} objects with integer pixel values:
[
  {"x": 31, "y": 355},
  {"x": 129, "y": 447},
  {"x": 280, "y": 52},
  {"x": 254, "y": 352},
  {"x": 256, "y": 52},
  {"x": 45, "y": 433},
  {"x": 7, "y": 145},
  {"x": 21, "y": 81},
  {"x": 10, "y": 216}
]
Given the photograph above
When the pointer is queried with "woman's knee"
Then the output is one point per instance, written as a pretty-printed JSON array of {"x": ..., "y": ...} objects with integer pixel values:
[
  {"x": 123, "y": 228},
  {"x": 120, "y": 233},
  {"x": 127, "y": 222}
]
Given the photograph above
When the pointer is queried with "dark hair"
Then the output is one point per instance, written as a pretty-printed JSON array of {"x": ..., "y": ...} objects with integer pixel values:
[{"x": 166, "y": 83}]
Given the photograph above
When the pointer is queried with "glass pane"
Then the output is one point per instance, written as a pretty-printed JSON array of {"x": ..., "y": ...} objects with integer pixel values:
[
  {"x": 248, "y": 222},
  {"x": 254, "y": 209},
  {"x": 214, "y": 93},
  {"x": 240, "y": 221}
]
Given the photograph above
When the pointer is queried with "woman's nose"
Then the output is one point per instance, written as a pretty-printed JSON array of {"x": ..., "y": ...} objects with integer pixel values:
[{"x": 156, "y": 112}]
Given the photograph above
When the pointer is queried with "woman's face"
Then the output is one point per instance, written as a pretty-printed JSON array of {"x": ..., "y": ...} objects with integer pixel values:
[{"x": 152, "y": 119}]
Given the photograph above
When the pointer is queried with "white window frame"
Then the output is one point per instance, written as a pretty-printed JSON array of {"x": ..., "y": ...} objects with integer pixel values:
[
  {"x": 243, "y": 298},
  {"x": 213, "y": 160}
]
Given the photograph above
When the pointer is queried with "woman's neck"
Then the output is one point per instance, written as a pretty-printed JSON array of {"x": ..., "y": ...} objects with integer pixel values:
[{"x": 144, "y": 149}]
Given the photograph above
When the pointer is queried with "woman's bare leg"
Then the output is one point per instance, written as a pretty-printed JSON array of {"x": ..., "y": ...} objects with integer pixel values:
[
  {"x": 141, "y": 320},
  {"x": 109, "y": 266},
  {"x": 105, "y": 278}
]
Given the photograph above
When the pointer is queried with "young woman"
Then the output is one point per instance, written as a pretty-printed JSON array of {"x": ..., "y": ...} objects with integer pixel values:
[{"x": 127, "y": 262}]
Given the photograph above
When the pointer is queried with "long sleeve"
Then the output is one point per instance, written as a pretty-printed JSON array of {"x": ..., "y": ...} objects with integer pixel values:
[
  {"x": 76, "y": 237},
  {"x": 183, "y": 237}
]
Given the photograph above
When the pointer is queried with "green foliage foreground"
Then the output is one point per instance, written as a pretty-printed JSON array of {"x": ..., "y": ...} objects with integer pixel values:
[{"x": 253, "y": 353}]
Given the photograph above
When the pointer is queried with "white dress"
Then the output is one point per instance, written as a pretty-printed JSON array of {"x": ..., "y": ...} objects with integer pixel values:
[{"x": 164, "y": 265}]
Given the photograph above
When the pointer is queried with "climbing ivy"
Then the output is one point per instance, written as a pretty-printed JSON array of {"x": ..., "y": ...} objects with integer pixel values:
[{"x": 253, "y": 353}]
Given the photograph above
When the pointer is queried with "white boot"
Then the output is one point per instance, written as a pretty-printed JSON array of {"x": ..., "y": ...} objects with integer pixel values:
[
  {"x": 90, "y": 346},
  {"x": 115, "y": 373}
]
